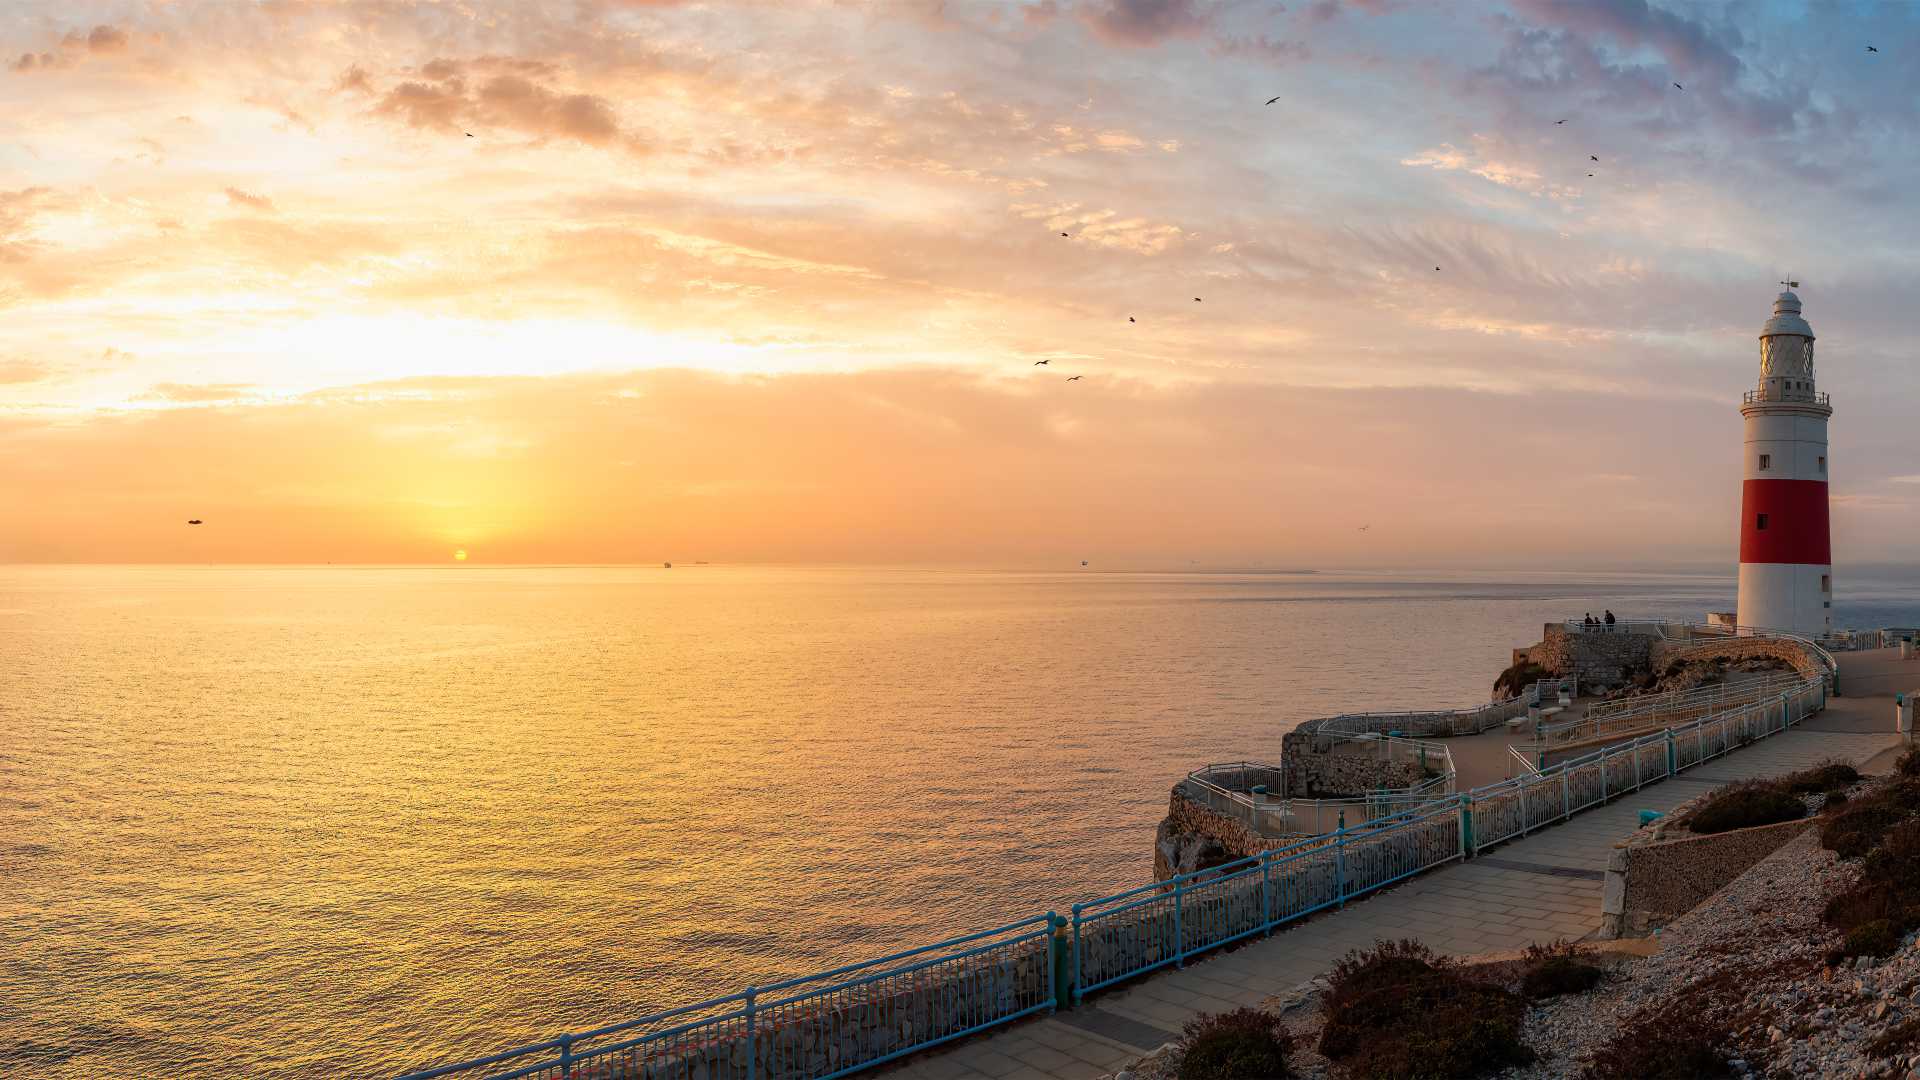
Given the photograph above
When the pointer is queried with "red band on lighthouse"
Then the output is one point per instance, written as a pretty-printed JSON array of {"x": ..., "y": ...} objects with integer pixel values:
[{"x": 1796, "y": 522}]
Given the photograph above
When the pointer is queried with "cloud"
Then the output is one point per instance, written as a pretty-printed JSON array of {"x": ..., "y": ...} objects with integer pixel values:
[
  {"x": 186, "y": 394},
  {"x": 106, "y": 39},
  {"x": 31, "y": 61},
  {"x": 1911, "y": 478},
  {"x": 1690, "y": 48},
  {"x": 509, "y": 99},
  {"x": 22, "y": 371},
  {"x": 249, "y": 200},
  {"x": 354, "y": 80},
  {"x": 1137, "y": 23}
]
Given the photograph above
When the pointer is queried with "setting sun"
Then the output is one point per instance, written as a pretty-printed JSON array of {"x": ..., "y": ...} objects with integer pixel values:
[{"x": 460, "y": 555}]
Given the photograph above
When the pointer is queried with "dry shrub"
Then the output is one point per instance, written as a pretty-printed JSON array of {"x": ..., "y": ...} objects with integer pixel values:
[
  {"x": 1552, "y": 970},
  {"x": 1884, "y": 904},
  {"x": 1398, "y": 1012},
  {"x": 1859, "y": 827},
  {"x": 1744, "y": 805},
  {"x": 1828, "y": 776},
  {"x": 1665, "y": 1044},
  {"x": 1245, "y": 1044}
]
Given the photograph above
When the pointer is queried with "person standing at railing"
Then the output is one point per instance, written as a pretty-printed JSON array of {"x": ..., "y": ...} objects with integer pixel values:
[
  {"x": 1588, "y": 621},
  {"x": 1609, "y": 620}
]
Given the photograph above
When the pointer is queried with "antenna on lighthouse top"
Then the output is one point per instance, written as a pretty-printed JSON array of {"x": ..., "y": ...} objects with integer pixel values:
[{"x": 1791, "y": 284}]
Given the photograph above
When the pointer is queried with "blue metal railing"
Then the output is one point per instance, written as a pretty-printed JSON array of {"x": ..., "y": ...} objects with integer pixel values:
[
  {"x": 817, "y": 1026},
  {"x": 847, "y": 1019},
  {"x": 1151, "y": 926}
]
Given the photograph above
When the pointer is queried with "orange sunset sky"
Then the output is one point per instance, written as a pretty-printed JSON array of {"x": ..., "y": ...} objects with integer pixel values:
[{"x": 769, "y": 281}]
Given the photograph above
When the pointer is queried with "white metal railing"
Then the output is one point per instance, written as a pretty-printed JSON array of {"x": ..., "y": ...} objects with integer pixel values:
[
  {"x": 1229, "y": 788},
  {"x": 1522, "y": 764},
  {"x": 1802, "y": 397},
  {"x": 1628, "y": 707}
]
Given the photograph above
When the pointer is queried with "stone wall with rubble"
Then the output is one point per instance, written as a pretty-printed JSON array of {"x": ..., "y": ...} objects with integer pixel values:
[
  {"x": 1654, "y": 877},
  {"x": 1194, "y": 836},
  {"x": 1340, "y": 769},
  {"x": 1804, "y": 659}
]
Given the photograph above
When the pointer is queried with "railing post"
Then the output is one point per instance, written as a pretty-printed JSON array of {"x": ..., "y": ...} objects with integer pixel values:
[
  {"x": 1603, "y": 776},
  {"x": 1636, "y": 765},
  {"x": 753, "y": 1043},
  {"x": 566, "y": 1056},
  {"x": 1566, "y": 796},
  {"x": 1340, "y": 859},
  {"x": 1466, "y": 825},
  {"x": 1673, "y": 756},
  {"x": 1060, "y": 955},
  {"x": 1266, "y": 893},
  {"x": 1076, "y": 952},
  {"x": 1179, "y": 941}
]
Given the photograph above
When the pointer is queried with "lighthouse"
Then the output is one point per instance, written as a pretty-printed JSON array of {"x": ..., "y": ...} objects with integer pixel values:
[{"x": 1786, "y": 565}]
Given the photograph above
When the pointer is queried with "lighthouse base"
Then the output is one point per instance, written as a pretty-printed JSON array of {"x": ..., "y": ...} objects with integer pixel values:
[{"x": 1793, "y": 597}]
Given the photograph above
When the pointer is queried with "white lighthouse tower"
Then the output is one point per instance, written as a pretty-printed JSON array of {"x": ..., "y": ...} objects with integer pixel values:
[{"x": 1786, "y": 562}]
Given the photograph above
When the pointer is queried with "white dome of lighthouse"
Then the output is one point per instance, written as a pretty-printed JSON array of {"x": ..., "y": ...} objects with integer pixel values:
[{"x": 1786, "y": 318}]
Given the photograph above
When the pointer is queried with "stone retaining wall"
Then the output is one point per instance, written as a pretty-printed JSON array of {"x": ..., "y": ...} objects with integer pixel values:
[
  {"x": 1339, "y": 772},
  {"x": 1652, "y": 880},
  {"x": 1785, "y": 649},
  {"x": 1194, "y": 836}
]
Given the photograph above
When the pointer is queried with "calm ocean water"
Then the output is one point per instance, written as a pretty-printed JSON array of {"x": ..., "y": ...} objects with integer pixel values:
[{"x": 305, "y": 822}]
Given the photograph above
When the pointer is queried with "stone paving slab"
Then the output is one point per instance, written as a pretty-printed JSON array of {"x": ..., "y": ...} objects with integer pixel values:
[{"x": 1481, "y": 905}]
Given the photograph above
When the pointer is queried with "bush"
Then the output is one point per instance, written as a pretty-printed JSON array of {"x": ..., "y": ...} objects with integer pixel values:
[
  {"x": 1666, "y": 1045},
  {"x": 1245, "y": 1044},
  {"x": 1877, "y": 938},
  {"x": 1829, "y": 776},
  {"x": 1552, "y": 970},
  {"x": 1909, "y": 764},
  {"x": 1858, "y": 828},
  {"x": 1741, "y": 806},
  {"x": 1510, "y": 682},
  {"x": 1397, "y": 1012}
]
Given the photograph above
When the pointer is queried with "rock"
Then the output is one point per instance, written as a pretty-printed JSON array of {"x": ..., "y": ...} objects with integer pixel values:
[{"x": 1774, "y": 1034}]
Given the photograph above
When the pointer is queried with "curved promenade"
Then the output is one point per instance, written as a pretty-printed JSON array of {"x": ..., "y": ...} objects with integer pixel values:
[{"x": 998, "y": 981}]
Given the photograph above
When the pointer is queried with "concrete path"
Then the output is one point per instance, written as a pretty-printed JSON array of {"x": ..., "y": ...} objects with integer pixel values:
[{"x": 1536, "y": 889}]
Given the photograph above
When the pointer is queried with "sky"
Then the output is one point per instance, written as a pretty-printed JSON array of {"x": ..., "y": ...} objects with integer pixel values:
[{"x": 378, "y": 281}]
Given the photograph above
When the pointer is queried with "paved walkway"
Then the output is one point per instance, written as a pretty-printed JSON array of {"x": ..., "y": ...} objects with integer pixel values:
[{"x": 1535, "y": 889}]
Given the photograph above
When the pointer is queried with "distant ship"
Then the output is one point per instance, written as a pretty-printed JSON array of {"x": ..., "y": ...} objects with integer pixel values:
[{"x": 669, "y": 566}]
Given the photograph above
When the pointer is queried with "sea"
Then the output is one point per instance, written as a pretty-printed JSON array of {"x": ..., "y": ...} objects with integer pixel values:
[{"x": 333, "y": 821}]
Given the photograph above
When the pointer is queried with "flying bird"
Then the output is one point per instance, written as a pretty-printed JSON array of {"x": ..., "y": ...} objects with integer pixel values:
[
  {"x": 1589, "y": 176},
  {"x": 1872, "y": 49},
  {"x": 1275, "y": 98},
  {"x": 1559, "y": 121},
  {"x": 1677, "y": 86},
  {"x": 1365, "y": 527},
  {"x": 1037, "y": 363},
  {"x": 1436, "y": 269},
  {"x": 1063, "y": 234},
  {"x": 1075, "y": 378},
  {"x": 195, "y": 521},
  {"x": 469, "y": 134},
  {"x": 1590, "y": 157},
  {"x": 1130, "y": 318},
  {"x": 1196, "y": 299}
]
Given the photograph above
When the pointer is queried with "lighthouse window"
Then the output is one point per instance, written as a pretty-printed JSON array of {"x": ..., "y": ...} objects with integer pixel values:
[
  {"x": 1826, "y": 582},
  {"x": 1766, "y": 461},
  {"x": 1760, "y": 522},
  {"x": 1823, "y": 464}
]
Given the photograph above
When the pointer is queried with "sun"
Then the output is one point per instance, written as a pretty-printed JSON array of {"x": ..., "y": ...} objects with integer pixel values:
[{"x": 460, "y": 555}]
